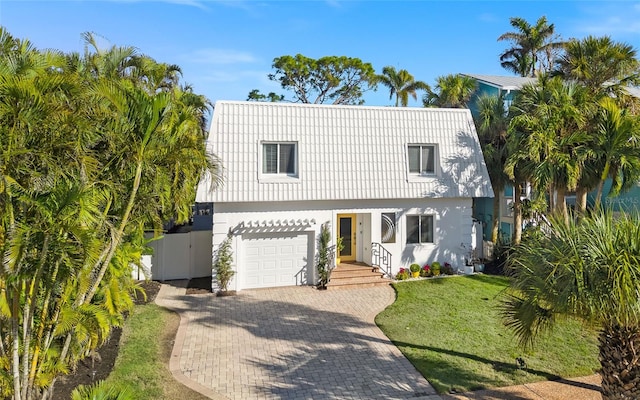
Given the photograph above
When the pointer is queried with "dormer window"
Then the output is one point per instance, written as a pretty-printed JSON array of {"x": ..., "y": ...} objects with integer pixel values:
[
  {"x": 280, "y": 159},
  {"x": 422, "y": 159}
]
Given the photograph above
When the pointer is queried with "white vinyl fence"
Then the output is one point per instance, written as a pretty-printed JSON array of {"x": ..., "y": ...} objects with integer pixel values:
[{"x": 181, "y": 256}]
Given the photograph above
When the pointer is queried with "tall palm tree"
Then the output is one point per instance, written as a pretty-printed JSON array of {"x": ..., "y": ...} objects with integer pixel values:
[
  {"x": 451, "y": 91},
  {"x": 549, "y": 114},
  {"x": 91, "y": 155},
  {"x": 492, "y": 123},
  {"x": 617, "y": 147},
  {"x": 47, "y": 228},
  {"x": 533, "y": 47},
  {"x": 518, "y": 61},
  {"x": 587, "y": 269},
  {"x": 401, "y": 84},
  {"x": 605, "y": 68},
  {"x": 599, "y": 63}
]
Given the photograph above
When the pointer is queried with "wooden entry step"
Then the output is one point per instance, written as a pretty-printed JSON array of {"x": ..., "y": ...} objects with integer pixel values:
[{"x": 351, "y": 275}]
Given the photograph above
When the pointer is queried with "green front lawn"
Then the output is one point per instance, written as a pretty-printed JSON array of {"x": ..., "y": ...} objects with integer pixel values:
[{"x": 450, "y": 330}]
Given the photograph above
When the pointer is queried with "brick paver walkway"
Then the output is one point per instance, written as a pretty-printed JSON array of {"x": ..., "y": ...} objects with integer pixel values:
[{"x": 290, "y": 343}]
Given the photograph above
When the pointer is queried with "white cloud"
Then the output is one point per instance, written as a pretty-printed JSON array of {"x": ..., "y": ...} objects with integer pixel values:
[
  {"x": 228, "y": 76},
  {"x": 221, "y": 56},
  {"x": 612, "y": 19}
]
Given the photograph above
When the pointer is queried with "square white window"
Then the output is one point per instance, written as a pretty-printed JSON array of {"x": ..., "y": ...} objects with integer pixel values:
[
  {"x": 280, "y": 159},
  {"x": 422, "y": 159},
  {"x": 419, "y": 229}
]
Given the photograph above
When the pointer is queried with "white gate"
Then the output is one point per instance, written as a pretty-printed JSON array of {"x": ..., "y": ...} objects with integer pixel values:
[{"x": 181, "y": 256}]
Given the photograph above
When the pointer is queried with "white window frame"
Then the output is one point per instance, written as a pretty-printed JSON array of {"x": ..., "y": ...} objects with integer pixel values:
[
  {"x": 433, "y": 229},
  {"x": 421, "y": 173},
  {"x": 278, "y": 175}
]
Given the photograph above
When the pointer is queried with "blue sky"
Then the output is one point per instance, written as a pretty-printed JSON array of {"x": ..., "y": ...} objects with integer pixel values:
[{"x": 225, "y": 48}]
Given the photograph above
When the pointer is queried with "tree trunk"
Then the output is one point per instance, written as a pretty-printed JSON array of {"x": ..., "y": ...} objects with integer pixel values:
[
  {"x": 496, "y": 217},
  {"x": 603, "y": 177},
  {"x": 620, "y": 361},
  {"x": 581, "y": 201},
  {"x": 561, "y": 204},
  {"x": 598, "y": 195},
  {"x": 517, "y": 215}
]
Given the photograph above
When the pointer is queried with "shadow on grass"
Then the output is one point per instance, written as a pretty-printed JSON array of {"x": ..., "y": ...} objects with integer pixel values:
[{"x": 449, "y": 377}]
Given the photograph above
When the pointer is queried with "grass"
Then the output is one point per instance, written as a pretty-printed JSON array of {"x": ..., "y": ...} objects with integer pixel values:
[
  {"x": 142, "y": 362},
  {"x": 451, "y": 331},
  {"x": 138, "y": 365}
]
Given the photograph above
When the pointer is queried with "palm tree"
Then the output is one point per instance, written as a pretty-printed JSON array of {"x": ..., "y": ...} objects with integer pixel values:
[
  {"x": 492, "y": 123},
  {"x": 533, "y": 47},
  {"x": 599, "y": 63},
  {"x": 91, "y": 155},
  {"x": 452, "y": 91},
  {"x": 605, "y": 68},
  {"x": 516, "y": 61},
  {"x": 549, "y": 115},
  {"x": 47, "y": 222},
  {"x": 401, "y": 84},
  {"x": 589, "y": 270},
  {"x": 617, "y": 146}
]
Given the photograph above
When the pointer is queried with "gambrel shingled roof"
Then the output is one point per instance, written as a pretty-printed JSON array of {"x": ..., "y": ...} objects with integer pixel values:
[{"x": 345, "y": 152}]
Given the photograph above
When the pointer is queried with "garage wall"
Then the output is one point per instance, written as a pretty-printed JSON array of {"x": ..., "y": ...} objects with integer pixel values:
[{"x": 453, "y": 226}]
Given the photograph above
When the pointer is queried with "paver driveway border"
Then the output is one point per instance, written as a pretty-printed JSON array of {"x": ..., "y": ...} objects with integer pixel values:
[{"x": 289, "y": 343}]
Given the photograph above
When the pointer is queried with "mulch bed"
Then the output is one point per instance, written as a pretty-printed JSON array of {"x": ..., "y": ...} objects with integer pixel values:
[
  {"x": 199, "y": 285},
  {"x": 98, "y": 367}
]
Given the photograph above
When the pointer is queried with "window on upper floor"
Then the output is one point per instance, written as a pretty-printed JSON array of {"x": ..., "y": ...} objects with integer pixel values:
[
  {"x": 422, "y": 159},
  {"x": 280, "y": 158},
  {"x": 420, "y": 229}
]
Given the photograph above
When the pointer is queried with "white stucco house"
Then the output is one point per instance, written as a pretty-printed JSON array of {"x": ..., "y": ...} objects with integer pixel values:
[{"x": 398, "y": 179}]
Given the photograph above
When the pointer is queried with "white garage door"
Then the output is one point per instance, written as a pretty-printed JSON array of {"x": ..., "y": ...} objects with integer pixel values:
[{"x": 275, "y": 259}]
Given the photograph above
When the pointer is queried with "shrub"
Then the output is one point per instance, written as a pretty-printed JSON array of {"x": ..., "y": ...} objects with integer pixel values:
[
  {"x": 402, "y": 274},
  {"x": 322, "y": 265},
  {"x": 447, "y": 269},
  {"x": 435, "y": 268},
  {"x": 101, "y": 391},
  {"x": 414, "y": 268},
  {"x": 425, "y": 272},
  {"x": 222, "y": 265}
]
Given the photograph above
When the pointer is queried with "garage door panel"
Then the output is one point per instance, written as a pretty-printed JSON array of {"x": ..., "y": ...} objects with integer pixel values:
[
  {"x": 252, "y": 266},
  {"x": 269, "y": 251},
  {"x": 286, "y": 251},
  {"x": 274, "y": 259},
  {"x": 252, "y": 251}
]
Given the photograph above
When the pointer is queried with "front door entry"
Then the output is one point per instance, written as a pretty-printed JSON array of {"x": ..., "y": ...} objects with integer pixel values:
[{"x": 347, "y": 231}]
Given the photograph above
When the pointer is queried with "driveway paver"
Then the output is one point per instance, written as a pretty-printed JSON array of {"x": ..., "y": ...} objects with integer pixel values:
[{"x": 290, "y": 343}]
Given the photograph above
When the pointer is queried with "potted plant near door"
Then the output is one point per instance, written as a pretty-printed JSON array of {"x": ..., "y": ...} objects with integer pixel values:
[
  {"x": 222, "y": 267},
  {"x": 415, "y": 270},
  {"x": 435, "y": 268}
]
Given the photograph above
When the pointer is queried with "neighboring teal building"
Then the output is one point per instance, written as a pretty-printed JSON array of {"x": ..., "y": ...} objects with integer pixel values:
[
  {"x": 495, "y": 85},
  {"x": 628, "y": 201}
]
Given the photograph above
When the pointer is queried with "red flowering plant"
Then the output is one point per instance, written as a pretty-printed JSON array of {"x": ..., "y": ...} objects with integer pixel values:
[
  {"x": 403, "y": 274},
  {"x": 425, "y": 271}
]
